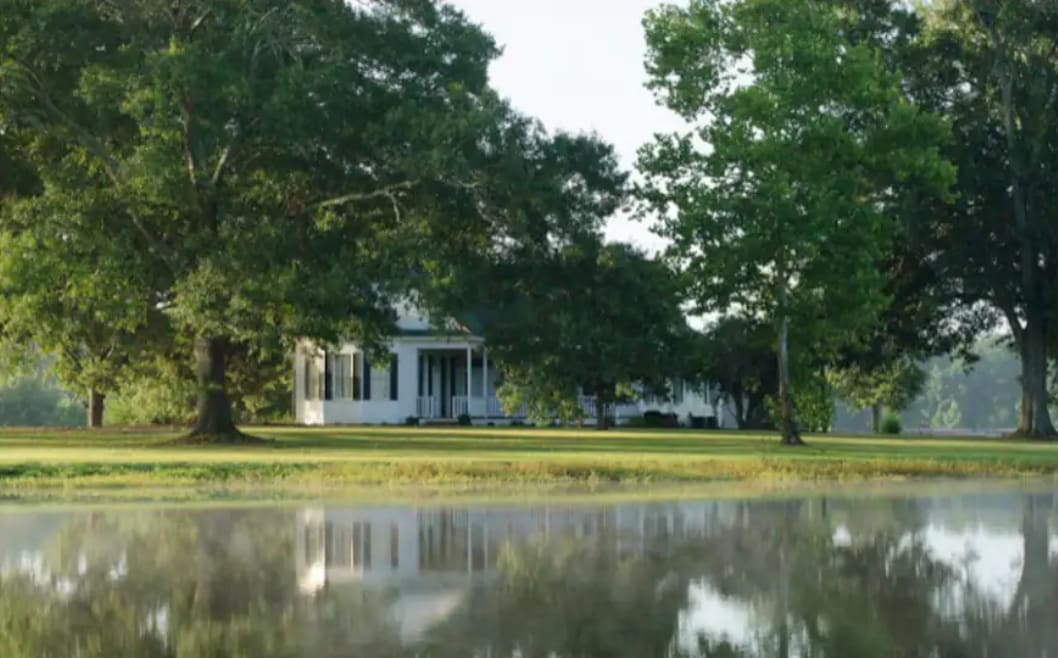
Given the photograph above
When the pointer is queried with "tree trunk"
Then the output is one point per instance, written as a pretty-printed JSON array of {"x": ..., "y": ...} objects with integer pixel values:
[
  {"x": 600, "y": 412},
  {"x": 1035, "y": 419},
  {"x": 741, "y": 417},
  {"x": 215, "y": 421},
  {"x": 876, "y": 417},
  {"x": 96, "y": 405},
  {"x": 791, "y": 436}
]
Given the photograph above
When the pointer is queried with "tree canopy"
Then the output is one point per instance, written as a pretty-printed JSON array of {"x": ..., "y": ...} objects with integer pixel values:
[
  {"x": 258, "y": 171},
  {"x": 599, "y": 319},
  {"x": 782, "y": 198}
]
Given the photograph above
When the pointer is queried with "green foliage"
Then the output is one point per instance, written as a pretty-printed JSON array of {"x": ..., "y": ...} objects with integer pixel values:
[
  {"x": 34, "y": 401},
  {"x": 813, "y": 400},
  {"x": 737, "y": 357},
  {"x": 992, "y": 70},
  {"x": 260, "y": 172},
  {"x": 891, "y": 424},
  {"x": 893, "y": 385},
  {"x": 785, "y": 194},
  {"x": 600, "y": 318},
  {"x": 150, "y": 400}
]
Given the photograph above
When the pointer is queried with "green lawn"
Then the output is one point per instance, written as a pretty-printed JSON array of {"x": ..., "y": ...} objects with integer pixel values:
[{"x": 35, "y": 460}]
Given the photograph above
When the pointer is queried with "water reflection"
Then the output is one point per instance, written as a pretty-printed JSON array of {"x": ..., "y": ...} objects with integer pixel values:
[{"x": 962, "y": 576}]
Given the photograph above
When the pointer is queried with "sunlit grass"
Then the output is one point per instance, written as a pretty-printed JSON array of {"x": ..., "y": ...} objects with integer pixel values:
[{"x": 37, "y": 459}]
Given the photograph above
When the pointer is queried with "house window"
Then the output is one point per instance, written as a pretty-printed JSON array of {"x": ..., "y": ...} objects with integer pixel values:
[
  {"x": 394, "y": 362},
  {"x": 342, "y": 372},
  {"x": 380, "y": 383},
  {"x": 313, "y": 378},
  {"x": 677, "y": 391},
  {"x": 357, "y": 383}
]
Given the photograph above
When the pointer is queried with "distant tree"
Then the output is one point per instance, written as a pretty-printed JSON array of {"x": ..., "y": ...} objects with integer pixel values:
[
  {"x": 783, "y": 198},
  {"x": 71, "y": 290},
  {"x": 611, "y": 320},
  {"x": 976, "y": 392},
  {"x": 284, "y": 169},
  {"x": 737, "y": 356},
  {"x": 29, "y": 394},
  {"x": 35, "y": 402},
  {"x": 893, "y": 386}
]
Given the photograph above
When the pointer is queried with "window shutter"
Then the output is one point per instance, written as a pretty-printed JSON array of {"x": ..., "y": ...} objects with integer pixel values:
[
  {"x": 328, "y": 377},
  {"x": 394, "y": 361},
  {"x": 367, "y": 378},
  {"x": 356, "y": 375}
]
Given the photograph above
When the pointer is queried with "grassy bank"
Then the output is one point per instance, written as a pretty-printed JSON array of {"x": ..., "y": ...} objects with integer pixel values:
[{"x": 34, "y": 460}]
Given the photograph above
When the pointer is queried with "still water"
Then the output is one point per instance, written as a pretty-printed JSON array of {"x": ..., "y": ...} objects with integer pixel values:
[{"x": 888, "y": 575}]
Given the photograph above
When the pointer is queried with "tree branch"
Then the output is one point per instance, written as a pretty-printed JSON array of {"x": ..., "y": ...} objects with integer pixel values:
[
  {"x": 98, "y": 149},
  {"x": 385, "y": 192},
  {"x": 85, "y": 138}
]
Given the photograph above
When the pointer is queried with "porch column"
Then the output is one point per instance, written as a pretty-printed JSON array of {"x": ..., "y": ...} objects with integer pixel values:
[
  {"x": 485, "y": 377},
  {"x": 470, "y": 367}
]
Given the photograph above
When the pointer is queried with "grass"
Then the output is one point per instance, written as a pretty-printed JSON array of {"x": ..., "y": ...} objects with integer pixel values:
[{"x": 53, "y": 462}]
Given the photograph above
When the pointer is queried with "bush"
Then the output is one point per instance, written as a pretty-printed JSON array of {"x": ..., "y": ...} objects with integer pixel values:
[
  {"x": 891, "y": 424},
  {"x": 464, "y": 419},
  {"x": 411, "y": 421},
  {"x": 655, "y": 418}
]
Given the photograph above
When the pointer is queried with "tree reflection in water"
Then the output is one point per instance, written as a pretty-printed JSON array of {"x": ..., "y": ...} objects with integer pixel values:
[{"x": 820, "y": 576}]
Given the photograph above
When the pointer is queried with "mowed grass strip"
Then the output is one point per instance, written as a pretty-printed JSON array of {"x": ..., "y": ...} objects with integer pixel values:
[{"x": 489, "y": 456}]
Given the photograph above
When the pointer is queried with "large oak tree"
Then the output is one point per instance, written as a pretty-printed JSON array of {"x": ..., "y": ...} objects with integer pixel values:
[
  {"x": 992, "y": 70},
  {"x": 275, "y": 169}
]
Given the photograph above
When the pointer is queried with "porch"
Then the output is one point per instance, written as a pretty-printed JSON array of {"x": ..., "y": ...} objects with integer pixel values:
[{"x": 458, "y": 382}]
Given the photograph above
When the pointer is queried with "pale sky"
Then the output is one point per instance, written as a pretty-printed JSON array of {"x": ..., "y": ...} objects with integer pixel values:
[{"x": 577, "y": 65}]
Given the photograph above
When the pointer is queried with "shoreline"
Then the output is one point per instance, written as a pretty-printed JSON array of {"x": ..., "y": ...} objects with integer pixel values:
[{"x": 36, "y": 463}]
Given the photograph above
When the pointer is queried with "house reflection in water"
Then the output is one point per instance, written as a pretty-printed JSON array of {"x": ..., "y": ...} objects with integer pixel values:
[{"x": 391, "y": 546}]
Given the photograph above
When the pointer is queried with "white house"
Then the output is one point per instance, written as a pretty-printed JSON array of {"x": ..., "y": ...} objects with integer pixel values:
[{"x": 432, "y": 375}]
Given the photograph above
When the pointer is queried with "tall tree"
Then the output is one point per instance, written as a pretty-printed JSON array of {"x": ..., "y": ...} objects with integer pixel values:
[
  {"x": 279, "y": 164},
  {"x": 993, "y": 69},
  {"x": 781, "y": 199}
]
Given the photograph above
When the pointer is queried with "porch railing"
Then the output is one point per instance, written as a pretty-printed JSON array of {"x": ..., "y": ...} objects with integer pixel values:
[
  {"x": 460, "y": 406},
  {"x": 427, "y": 407}
]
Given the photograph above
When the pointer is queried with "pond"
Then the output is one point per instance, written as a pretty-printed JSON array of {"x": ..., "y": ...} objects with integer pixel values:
[{"x": 940, "y": 573}]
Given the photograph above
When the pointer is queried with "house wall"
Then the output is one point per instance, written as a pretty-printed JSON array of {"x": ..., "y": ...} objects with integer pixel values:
[{"x": 380, "y": 409}]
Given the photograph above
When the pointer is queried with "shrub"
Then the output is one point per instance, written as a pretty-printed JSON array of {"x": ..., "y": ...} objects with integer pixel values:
[
  {"x": 655, "y": 418},
  {"x": 891, "y": 424},
  {"x": 464, "y": 419},
  {"x": 411, "y": 421}
]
